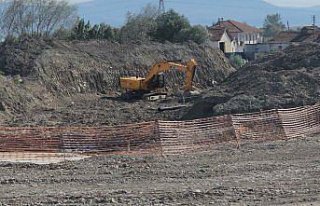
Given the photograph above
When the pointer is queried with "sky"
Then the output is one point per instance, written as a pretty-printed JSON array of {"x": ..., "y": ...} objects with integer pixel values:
[
  {"x": 282, "y": 3},
  {"x": 294, "y": 3},
  {"x": 205, "y": 12}
]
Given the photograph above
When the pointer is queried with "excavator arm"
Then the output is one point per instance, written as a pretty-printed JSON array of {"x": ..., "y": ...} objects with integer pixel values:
[
  {"x": 189, "y": 69},
  {"x": 190, "y": 72}
]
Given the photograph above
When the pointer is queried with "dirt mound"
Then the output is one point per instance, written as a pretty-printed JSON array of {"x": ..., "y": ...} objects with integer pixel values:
[
  {"x": 70, "y": 67},
  {"x": 57, "y": 81},
  {"x": 287, "y": 79}
]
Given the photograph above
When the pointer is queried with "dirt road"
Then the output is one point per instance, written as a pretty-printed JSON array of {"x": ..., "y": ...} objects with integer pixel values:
[{"x": 272, "y": 173}]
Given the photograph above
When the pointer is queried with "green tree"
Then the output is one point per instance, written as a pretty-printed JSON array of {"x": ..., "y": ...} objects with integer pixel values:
[
  {"x": 272, "y": 25},
  {"x": 84, "y": 31},
  {"x": 78, "y": 31},
  {"x": 93, "y": 32},
  {"x": 198, "y": 34},
  {"x": 87, "y": 29},
  {"x": 170, "y": 26},
  {"x": 106, "y": 32},
  {"x": 139, "y": 26}
]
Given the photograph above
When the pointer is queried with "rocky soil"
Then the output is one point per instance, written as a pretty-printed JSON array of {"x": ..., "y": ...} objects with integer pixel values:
[
  {"x": 287, "y": 79},
  {"x": 58, "y": 83},
  {"x": 55, "y": 82},
  {"x": 269, "y": 173}
]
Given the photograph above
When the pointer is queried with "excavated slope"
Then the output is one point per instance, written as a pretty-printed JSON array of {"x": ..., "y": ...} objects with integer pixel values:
[{"x": 58, "y": 81}]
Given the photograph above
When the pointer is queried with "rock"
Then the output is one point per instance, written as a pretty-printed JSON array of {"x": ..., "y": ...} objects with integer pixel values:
[{"x": 112, "y": 200}]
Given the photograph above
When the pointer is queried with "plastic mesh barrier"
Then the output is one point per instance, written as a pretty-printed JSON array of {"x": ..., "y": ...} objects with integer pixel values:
[{"x": 162, "y": 137}]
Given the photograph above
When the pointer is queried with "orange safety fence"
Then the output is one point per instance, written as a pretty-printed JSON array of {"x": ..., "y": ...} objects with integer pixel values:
[
  {"x": 301, "y": 121},
  {"x": 196, "y": 135},
  {"x": 260, "y": 125},
  {"x": 163, "y": 137}
]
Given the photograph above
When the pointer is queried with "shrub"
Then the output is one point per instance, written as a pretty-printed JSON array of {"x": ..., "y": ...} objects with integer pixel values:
[{"x": 237, "y": 61}]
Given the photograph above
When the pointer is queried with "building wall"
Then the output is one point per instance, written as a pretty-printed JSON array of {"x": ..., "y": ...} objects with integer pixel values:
[
  {"x": 252, "y": 50},
  {"x": 230, "y": 46},
  {"x": 249, "y": 38},
  {"x": 238, "y": 44}
]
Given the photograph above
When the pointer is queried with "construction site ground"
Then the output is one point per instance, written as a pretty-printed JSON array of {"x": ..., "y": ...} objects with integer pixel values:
[
  {"x": 259, "y": 173},
  {"x": 62, "y": 84}
]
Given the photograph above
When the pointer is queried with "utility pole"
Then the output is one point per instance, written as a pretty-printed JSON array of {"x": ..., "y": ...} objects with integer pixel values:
[
  {"x": 314, "y": 20},
  {"x": 161, "y": 6}
]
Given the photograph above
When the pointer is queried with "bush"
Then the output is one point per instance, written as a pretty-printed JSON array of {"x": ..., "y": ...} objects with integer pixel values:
[
  {"x": 198, "y": 34},
  {"x": 237, "y": 61}
]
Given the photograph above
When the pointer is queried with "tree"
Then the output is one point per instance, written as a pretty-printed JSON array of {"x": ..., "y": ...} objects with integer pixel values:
[
  {"x": 93, "y": 32},
  {"x": 84, "y": 31},
  {"x": 170, "y": 25},
  {"x": 40, "y": 18},
  {"x": 106, "y": 32},
  {"x": 198, "y": 34},
  {"x": 78, "y": 31},
  {"x": 273, "y": 25},
  {"x": 139, "y": 26}
]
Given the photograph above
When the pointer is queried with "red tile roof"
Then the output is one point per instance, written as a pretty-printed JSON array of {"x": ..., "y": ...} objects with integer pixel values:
[
  {"x": 234, "y": 27},
  {"x": 216, "y": 33}
]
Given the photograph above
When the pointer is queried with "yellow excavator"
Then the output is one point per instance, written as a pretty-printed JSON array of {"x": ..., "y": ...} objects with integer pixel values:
[{"x": 139, "y": 86}]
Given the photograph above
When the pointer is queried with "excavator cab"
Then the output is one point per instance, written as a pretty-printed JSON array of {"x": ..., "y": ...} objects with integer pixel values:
[{"x": 157, "y": 81}]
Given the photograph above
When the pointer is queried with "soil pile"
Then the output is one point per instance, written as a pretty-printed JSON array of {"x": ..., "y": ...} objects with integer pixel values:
[
  {"x": 287, "y": 79},
  {"x": 58, "y": 81}
]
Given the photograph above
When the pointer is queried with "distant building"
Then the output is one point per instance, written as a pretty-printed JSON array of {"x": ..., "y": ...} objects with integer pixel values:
[
  {"x": 278, "y": 43},
  {"x": 252, "y": 51},
  {"x": 239, "y": 33},
  {"x": 283, "y": 40},
  {"x": 221, "y": 39}
]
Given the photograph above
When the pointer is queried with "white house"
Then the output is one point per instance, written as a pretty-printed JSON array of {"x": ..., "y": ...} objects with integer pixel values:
[
  {"x": 239, "y": 33},
  {"x": 220, "y": 39}
]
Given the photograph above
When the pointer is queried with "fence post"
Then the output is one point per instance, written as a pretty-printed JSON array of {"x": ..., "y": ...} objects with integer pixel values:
[
  {"x": 158, "y": 135},
  {"x": 236, "y": 132},
  {"x": 283, "y": 130},
  {"x": 128, "y": 146}
]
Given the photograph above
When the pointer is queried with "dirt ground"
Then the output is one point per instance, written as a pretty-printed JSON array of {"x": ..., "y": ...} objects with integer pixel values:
[{"x": 269, "y": 173}]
